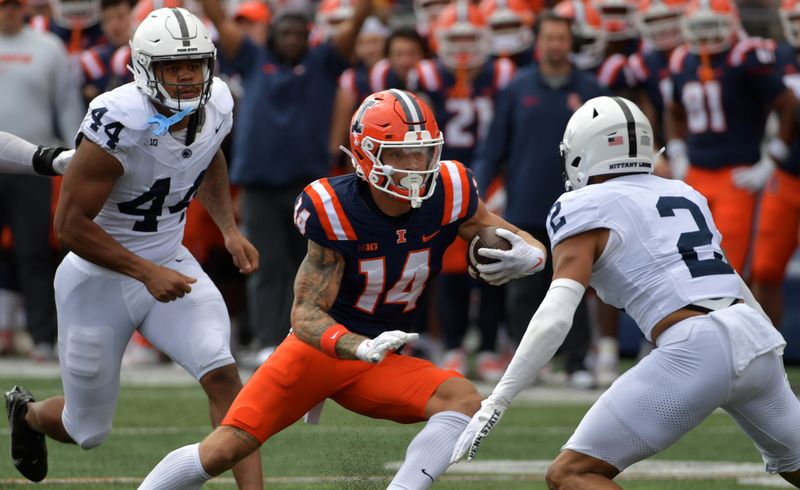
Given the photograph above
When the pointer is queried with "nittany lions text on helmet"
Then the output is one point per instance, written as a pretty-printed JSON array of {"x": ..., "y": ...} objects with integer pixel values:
[
  {"x": 607, "y": 135},
  {"x": 169, "y": 34}
]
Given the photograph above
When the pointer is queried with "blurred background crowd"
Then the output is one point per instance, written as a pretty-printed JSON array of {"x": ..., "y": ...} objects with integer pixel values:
[{"x": 502, "y": 76}]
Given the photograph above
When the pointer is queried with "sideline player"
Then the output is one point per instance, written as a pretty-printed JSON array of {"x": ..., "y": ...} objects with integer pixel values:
[
  {"x": 121, "y": 213},
  {"x": 651, "y": 246},
  {"x": 375, "y": 240}
]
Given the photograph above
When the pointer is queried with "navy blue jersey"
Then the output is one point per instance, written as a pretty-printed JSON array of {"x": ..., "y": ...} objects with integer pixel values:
[
  {"x": 106, "y": 66},
  {"x": 651, "y": 72},
  {"x": 88, "y": 37},
  {"x": 363, "y": 82},
  {"x": 614, "y": 74},
  {"x": 786, "y": 59},
  {"x": 726, "y": 113},
  {"x": 389, "y": 261},
  {"x": 464, "y": 118}
]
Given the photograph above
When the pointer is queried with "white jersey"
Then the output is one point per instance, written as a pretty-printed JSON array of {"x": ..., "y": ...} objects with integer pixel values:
[
  {"x": 145, "y": 210},
  {"x": 663, "y": 251}
]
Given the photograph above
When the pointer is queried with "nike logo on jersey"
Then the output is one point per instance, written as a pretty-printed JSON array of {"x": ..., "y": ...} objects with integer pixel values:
[
  {"x": 428, "y": 474},
  {"x": 217, "y": 130},
  {"x": 179, "y": 260},
  {"x": 427, "y": 238}
]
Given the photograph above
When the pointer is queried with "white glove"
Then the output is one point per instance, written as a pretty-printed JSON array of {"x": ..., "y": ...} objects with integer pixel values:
[
  {"x": 61, "y": 161},
  {"x": 479, "y": 427},
  {"x": 374, "y": 350},
  {"x": 753, "y": 178},
  {"x": 522, "y": 260}
]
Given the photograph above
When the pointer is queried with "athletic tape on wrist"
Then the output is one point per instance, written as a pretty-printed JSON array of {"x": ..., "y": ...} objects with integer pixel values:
[{"x": 330, "y": 337}]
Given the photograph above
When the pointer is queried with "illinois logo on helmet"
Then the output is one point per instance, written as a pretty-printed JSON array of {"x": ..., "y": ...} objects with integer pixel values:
[
  {"x": 396, "y": 120},
  {"x": 587, "y": 31},
  {"x": 790, "y": 21},
  {"x": 461, "y": 36},
  {"x": 710, "y": 26},
  {"x": 510, "y": 25},
  {"x": 618, "y": 18},
  {"x": 659, "y": 21}
]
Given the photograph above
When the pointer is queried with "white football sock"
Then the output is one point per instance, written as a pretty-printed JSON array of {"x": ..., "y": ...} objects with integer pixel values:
[
  {"x": 179, "y": 470},
  {"x": 428, "y": 455}
]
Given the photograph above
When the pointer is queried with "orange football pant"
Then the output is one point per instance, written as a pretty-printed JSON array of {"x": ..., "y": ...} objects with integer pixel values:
[
  {"x": 733, "y": 210},
  {"x": 296, "y": 377},
  {"x": 778, "y": 223}
]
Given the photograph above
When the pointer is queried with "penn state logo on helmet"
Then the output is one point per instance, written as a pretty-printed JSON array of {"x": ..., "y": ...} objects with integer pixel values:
[
  {"x": 398, "y": 120},
  {"x": 606, "y": 136},
  {"x": 170, "y": 34}
]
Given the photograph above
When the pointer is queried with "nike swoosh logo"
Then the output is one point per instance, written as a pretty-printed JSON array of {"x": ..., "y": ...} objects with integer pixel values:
[
  {"x": 217, "y": 130},
  {"x": 181, "y": 260},
  {"x": 428, "y": 475},
  {"x": 537, "y": 264},
  {"x": 427, "y": 238}
]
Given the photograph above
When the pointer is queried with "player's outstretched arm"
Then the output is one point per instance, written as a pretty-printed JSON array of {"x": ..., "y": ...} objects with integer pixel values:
[
  {"x": 215, "y": 196},
  {"x": 85, "y": 188},
  {"x": 230, "y": 37},
  {"x": 345, "y": 39},
  {"x": 316, "y": 286},
  {"x": 18, "y": 156},
  {"x": 527, "y": 255},
  {"x": 572, "y": 263}
]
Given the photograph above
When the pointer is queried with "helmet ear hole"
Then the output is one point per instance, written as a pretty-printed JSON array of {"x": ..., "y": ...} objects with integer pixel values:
[{"x": 576, "y": 162}]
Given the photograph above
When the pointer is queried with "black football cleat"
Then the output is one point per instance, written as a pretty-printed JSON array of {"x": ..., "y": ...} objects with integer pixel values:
[{"x": 28, "y": 449}]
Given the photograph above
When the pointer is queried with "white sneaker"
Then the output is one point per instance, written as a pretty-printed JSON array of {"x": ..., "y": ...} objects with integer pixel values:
[
  {"x": 581, "y": 380},
  {"x": 606, "y": 368},
  {"x": 490, "y": 367},
  {"x": 455, "y": 360},
  {"x": 255, "y": 359}
]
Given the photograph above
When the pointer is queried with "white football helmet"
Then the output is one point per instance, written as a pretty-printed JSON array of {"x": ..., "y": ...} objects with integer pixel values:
[
  {"x": 606, "y": 136},
  {"x": 76, "y": 14},
  {"x": 171, "y": 34}
]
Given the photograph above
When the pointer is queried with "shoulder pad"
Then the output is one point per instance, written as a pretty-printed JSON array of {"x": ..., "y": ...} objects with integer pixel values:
[
  {"x": 573, "y": 213},
  {"x": 125, "y": 105},
  {"x": 221, "y": 96},
  {"x": 319, "y": 214},
  {"x": 460, "y": 191}
]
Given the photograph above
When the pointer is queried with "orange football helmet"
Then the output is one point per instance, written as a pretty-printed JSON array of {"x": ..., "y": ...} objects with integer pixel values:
[
  {"x": 618, "y": 18},
  {"x": 426, "y": 12},
  {"x": 590, "y": 38},
  {"x": 330, "y": 14},
  {"x": 461, "y": 36},
  {"x": 510, "y": 25},
  {"x": 659, "y": 21},
  {"x": 396, "y": 120},
  {"x": 790, "y": 21},
  {"x": 710, "y": 26}
]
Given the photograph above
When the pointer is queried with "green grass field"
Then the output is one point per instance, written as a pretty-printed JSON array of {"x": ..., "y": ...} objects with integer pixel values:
[{"x": 353, "y": 452}]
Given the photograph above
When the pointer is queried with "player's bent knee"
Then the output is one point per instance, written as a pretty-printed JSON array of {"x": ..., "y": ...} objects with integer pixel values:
[
  {"x": 458, "y": 395},
  {"x": 225, "y": 447}
]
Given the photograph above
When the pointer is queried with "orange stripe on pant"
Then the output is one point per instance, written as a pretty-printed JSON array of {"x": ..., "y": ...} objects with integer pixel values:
[
  {"x": 778, "y": 223},
  {"x": 732, "y": 208},
  {"x": 296, "y": 377}
]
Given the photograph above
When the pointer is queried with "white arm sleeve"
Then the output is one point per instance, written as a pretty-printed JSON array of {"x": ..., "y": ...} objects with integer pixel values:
[
  {"x": 546, "y": 332},
  {"x": 16, "y": 155},
  {"x": 749, "y": 299}
]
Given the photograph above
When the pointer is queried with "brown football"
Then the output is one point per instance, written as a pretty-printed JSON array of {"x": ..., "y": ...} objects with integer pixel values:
[{"x": 486, "y": 238}]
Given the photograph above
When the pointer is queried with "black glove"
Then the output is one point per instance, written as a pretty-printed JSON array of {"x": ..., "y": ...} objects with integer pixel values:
[{"x": 43, "y": 159}]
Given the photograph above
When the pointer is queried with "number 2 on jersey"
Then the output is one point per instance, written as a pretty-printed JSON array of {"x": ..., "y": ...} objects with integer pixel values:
[
  {"x": 689, "y": 241},
  {"x": 406, "y": 290}
]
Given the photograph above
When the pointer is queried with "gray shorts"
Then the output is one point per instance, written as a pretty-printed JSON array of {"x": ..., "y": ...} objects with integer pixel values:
[
  {"x": 98, "y": 311},
  {"x": 678, "y": 385}
]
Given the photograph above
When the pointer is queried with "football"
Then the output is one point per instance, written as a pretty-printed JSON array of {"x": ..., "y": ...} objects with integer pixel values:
[{"x": 486, "y": 238}]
